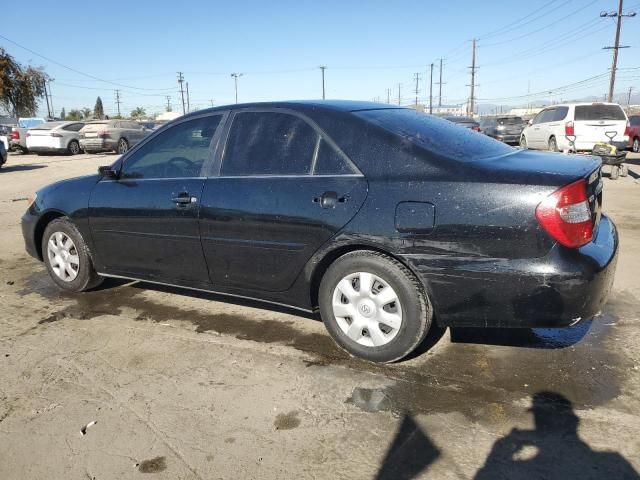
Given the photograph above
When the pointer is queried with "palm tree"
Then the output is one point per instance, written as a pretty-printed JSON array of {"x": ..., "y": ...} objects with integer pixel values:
[
  {"x": 138, "y": 113},
  {"x": 86, "y": 112},
  {"x": 73, "y": 115}
]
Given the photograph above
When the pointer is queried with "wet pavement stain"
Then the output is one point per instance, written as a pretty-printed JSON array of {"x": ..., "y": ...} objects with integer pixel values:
[
  {"x": 287, "y": 421},
  {"x": 154, "y": 465},
  {"x": 476, "y": 373}
]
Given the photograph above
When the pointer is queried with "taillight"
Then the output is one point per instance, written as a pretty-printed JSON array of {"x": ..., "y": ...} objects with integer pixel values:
[
  {"x": 566, "y": 216},
  {"x": 15, "y": 135},
  {"x": 627, "y": 129},
  {"x": 475, "y": 129},
  {"x": 569, "y": 131},
  {"x": 57, "y": 135}
]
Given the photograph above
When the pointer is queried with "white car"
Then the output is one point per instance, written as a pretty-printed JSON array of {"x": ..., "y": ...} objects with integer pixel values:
[
  {"x": 55, "y": 137},
  {"x": 577, "y": 127}
]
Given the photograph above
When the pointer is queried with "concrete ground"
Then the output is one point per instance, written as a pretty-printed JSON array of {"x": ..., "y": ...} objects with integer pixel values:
[{"x": 133, "y": 380}]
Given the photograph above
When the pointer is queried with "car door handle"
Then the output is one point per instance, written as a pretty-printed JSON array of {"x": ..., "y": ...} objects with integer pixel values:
[
  {"x": 329, "y": 199},
  {"x": 183, "y": 198}
]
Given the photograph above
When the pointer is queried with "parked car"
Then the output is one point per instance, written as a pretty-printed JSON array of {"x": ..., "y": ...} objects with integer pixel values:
[
  {"x": 506, "y": 129},
  {"x": 111, "y": 135},
  {"x": 634, "y": 133},
  {"x": 19, "y": 133},
  {"x": 5, "y": 135},
  {"x": 466, "y": 122},
  {"x": 3, "y": 154},
  {"x": 55, "y": 137},
  {"x": 383, "y": 218},
  {"x": 588, "y": 122}
]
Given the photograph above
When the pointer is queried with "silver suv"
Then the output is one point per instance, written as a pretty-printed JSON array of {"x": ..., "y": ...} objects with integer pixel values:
[{"x": 111, "y": 135}]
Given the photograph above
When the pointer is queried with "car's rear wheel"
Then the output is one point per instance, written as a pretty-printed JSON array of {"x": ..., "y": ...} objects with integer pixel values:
[
  {"x": 523, "y": 142},
  {"x": 635, "y": 146},
  {"x": 67, "y": 258},
  {"x": 553, "y": 144},
  {"x": 373, "y": 306},
  {"x": 73, "y": 147},
  {"x": 122, "y": 147}
]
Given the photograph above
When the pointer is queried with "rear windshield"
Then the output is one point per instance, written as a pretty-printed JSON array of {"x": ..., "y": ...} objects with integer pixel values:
[
  {"x": 95, "y": 125},
  {"x": 29, "y": 122},
  {"x": 510, "y": 121},
  {"x": 599, "y": 112},
  {"x": 48, "y": 125},
  {"x": 439, "y": 136}
]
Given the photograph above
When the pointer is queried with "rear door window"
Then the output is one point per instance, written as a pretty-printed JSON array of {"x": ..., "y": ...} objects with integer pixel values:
[
  {"x": 547, "y": 115},
  {"x": 269, "y": 143},
  {"x": 599, "y": 112},
  {"x": 560, "y": 114},
  {"x": 330, "y": 162}
]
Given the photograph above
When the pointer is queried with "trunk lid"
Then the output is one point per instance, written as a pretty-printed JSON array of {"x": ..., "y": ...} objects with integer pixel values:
[{"x": 593, "y": 122}]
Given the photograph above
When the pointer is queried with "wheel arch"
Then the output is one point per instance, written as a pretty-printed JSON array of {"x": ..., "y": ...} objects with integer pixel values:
[{"x": 323, "y": 261}]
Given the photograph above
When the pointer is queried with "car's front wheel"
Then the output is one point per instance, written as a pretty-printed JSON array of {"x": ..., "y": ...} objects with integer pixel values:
[
  {"x": 523, "y": 142},
  {"x": 373, "y": 306},
  {"x": 122, "y": 147},
  {"x": 636, "y": 145},
  {"x": 67, "y": 258},
  {"x": 74, "y": 147},
  {"x": 553, "y": 144}
]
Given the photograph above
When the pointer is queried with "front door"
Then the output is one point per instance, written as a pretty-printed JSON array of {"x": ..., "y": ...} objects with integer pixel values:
[
  {"x": 145, "y": 223},
  {"x": 283, "y": 190}
]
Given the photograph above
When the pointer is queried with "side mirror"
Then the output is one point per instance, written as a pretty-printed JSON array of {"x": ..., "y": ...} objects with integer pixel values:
[{"x": 108, "y": 172}]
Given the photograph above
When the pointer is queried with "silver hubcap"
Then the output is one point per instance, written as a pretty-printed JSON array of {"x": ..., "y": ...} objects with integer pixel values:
[
  {"x": 75, "y": 148},
  {"x": 636, "y": 145},
  {"x": 123, "y": 146},
  {"x": 63, "y": 256},
  {"x": 367, "y": 309}
]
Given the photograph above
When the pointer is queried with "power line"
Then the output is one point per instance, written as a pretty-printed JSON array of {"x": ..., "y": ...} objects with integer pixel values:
[{"x": 517, "y": 24}]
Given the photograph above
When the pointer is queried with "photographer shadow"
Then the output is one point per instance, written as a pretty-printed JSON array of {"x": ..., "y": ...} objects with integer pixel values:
[{"x": 553, "y": 450}]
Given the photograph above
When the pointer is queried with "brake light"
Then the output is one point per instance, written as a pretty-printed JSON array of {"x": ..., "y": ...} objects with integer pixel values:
[
  {"x": 57, "y": 135},
  {"x": 566, "y": 216},
  {"x": 15, "y": 135},
  {"x": 627, "y": 129},
  {"x": 569, "y": 130},
  {"x": 475, "y": 128}
]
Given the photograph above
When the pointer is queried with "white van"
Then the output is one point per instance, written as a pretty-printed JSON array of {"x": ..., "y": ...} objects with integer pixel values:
[{"x": 588, "y": 122}]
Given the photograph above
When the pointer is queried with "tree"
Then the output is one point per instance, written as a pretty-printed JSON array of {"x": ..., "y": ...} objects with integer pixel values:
[
  {"x": 86, "y": 113},
  {"x": 98, "y": 110},
  {"x": 20, "y": 86},
  {"x": 63, "y": 115},
  {"x": 138, "y": 113},
  {"x": 74, "y": 115}
]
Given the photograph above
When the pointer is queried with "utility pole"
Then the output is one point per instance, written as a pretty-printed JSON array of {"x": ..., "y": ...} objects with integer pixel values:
[
  {"x": 471, "y": 106},
  {"x": 188, "y": 104},
  {"x": 322, "y": 69},
  {"x": 46, "y": 97},
  {"x": 416, "y": 76},
  {"x": 388, "y": 95},
  {"x": 118, "y": 101},
  {"x": 211, "y": 101},
  {"x": 235, "y": 77},
  {"x": 399, "y": 86},
  {"x": 440, "y": 86},
  {"x": 629, "y": 99},
  {"x": 168, "y": 97},
  {"x": 614, "y": 65},
  {"x": 431, "y": 92},
  {"x": 181, "y": 81},
  {"x": 50, "y": 97}
]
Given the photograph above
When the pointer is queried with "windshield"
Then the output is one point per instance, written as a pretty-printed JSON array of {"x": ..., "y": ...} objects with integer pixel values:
[
  {"x": 599, "y": 112},
  {"x": 510, "y": 121},
  {"x": 48, "y": 125},
  {"x": 439, "y": 136}
]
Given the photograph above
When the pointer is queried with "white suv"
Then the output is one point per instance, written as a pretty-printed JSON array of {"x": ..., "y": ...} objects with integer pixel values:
[{"x": 589, "y": 123}]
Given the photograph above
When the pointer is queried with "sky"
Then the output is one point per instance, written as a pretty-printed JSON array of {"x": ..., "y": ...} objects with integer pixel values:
[{"x": 550, "y": 50}]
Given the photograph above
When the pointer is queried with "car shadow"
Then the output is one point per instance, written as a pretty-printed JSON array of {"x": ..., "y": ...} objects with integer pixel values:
[{"x": 20, "y": 168}]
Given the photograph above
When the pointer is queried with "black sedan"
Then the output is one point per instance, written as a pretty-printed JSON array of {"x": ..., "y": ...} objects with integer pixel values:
[{"x": 384, "y": 219}]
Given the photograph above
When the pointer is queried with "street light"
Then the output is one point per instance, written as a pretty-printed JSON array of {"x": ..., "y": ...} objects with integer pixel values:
[{"x": 235, "y": 77}]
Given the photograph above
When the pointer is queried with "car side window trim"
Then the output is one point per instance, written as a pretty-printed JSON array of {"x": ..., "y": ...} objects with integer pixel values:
[
  {"x": 216, "y": 170},
  {"x": 211, "y": 152}
]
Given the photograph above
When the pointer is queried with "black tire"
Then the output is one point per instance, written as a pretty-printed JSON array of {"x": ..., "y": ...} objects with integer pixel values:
[
  {"x": 553, "y": 144},
  {"x": 523, "y": 142},
  {"x": 635, "y": 146},
  {"x": 86, "y": 277},
  {"x": 73, "y": 148},
  {"x": 122, "y": 146},
  {"x": 417, "y": 313}
]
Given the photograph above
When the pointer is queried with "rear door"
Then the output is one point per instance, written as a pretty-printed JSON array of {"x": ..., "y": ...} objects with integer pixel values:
[
  {"x": 593, "y": 122},
  {"x": 145, "y": 223},
  {"x": 282, "y": 189}
]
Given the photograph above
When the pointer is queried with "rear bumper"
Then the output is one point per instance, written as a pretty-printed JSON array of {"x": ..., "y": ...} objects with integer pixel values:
[
  {"x": 46, "y": 149},
  {"x": 507, "y": 138},
  {"x": 560, "y": 289},
  {"x": 98, "y": 144}
]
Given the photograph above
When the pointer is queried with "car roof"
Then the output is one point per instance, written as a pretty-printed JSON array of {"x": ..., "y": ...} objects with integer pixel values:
[{"x": 580, "y": 104}]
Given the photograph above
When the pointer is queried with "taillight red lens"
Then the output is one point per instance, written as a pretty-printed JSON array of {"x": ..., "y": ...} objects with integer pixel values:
[
  {"x": 15, "y": 135},
  {"x": 627, "y": 130},
  {"x": 569, "y": 130},
  {"x": 566, "y": 216},
  {"x": 475, "y": 129}
]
